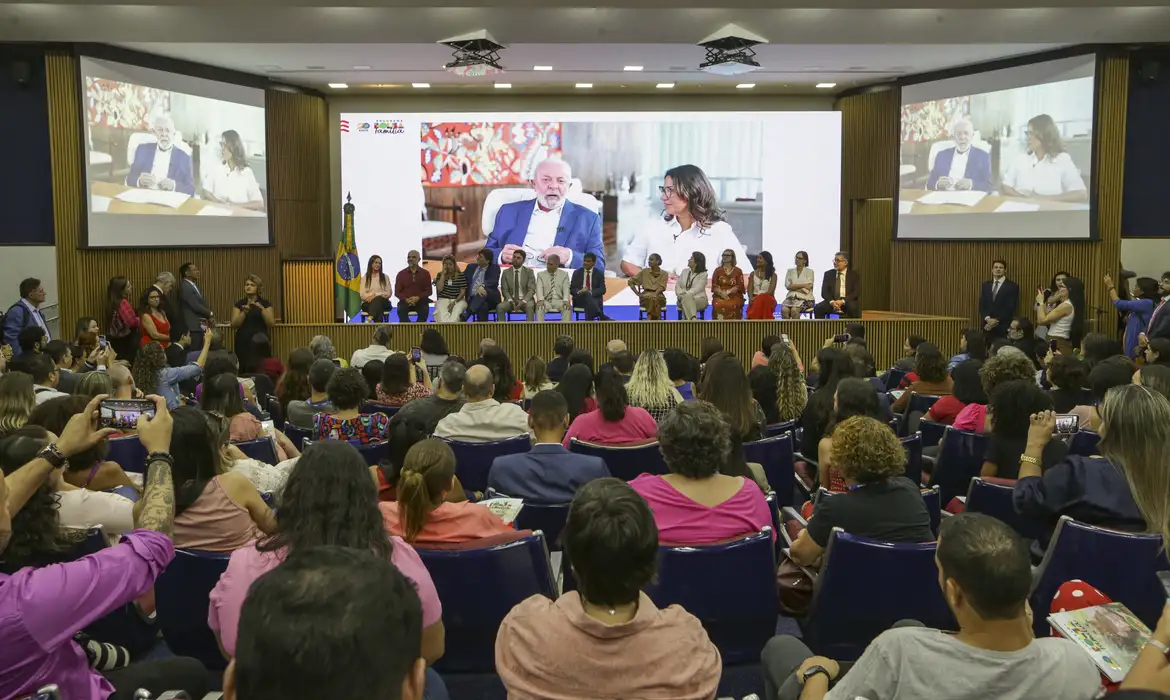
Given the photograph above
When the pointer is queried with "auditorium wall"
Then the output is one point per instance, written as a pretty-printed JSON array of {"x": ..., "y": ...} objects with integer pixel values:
[
  {"x": 943, "y": 277},
  {"x": 298, "y": 200}
]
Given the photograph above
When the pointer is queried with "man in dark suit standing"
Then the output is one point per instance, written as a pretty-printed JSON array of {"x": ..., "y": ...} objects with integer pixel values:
[
  {"x": 840, "y": 290},
  {"x": 1159, "y": 325},
  {"x": 588, "y": 289},
  {"x": 548, "y": 473},
  {"x": 998, "y": 301},
  {"x": 192, "y": 308}
]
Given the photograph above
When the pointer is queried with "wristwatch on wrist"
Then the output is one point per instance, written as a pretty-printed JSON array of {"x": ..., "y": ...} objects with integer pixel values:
[
  {"x": 812, "y": 671},
  {"x": 51, "y": 454}
]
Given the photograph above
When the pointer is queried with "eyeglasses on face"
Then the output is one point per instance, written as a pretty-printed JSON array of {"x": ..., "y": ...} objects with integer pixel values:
[{"x": 666, "y": 190}]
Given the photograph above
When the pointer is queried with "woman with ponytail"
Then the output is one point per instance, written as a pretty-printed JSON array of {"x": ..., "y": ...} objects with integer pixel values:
[{"x": 422, "y": 515}]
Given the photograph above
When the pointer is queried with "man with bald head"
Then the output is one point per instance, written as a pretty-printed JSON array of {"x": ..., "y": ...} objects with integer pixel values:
[
  {"x": 412, "y": 286},
  {"x": 482, "y": 418},
  {"x": 961, "y": 167},
  {"x": 549, "y": 224},
  {"x": 123, "y": 381},
  {"x": 160, "y": 164}
]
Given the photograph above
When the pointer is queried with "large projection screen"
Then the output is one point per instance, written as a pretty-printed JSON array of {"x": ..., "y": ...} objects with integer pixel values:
[
  {"x": 1003, "y": 154},
  {"x": 172, "y": 160}
]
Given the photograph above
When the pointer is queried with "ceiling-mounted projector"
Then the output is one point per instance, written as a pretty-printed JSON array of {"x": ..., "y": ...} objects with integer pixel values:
[
  {"x": 729, "y": 51},
  {"x": 474, "y": 54}
]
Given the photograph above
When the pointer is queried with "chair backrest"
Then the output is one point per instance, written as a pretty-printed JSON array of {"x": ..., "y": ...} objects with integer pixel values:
[
  {"x": 624, "y": 462},
  {"x": 473, "y": 460},
  {"x": 959, "y": 461},
  {"x": 368, "y": 407},
  {"x": 776, "y": 455},
  {"x": 931, "y": 432},
  {"x": 478, "y": 588},
  {"x": 780, "y": 428},
  {"x": 894, "y": 377},
  {"x": 128, "y": 453},
  {"x": 506, "y": 195},
  {"x": 930, "y": 498},
  {"x": 549, "y": 518},
  {"x": 297, "y": 435},
  {"x": 1122, "y": 565},
  {"x": 730, "y": 587},
  {"x": 1084, "y": 443},
  {"x": 917, "y": 407},
  {"x": 373, "y": 452},
  {"x": 276, "y": 411},
  {"x": 913, "y": 446},
  {"x": 181, "y": 595},
  {"x": 260, "y": 449},
  {"x": 851, "y": 605},
  {"x": 996, "y": 500}
]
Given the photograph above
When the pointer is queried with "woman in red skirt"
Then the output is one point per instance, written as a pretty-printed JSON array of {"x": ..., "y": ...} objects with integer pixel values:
[{"x": 762, "y": 289}]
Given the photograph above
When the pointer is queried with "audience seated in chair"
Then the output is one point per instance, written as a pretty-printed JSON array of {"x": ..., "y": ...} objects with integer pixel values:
[
  {"x": 726, "y": 388},
  {"x": 88, "y": 469},
  {"x": 933, "y": 378},
  {"x": 834, "y": 366},
  {"x": 967, "y": 388},
  {"x": 379, "y": 348},
  {"x": 650, "y": 386},
  {"x": 402, "y": 382},
  {"x": 615, "y": 422},
  {"x": 1106, "y": 375},
  {"x": 372, "y": 373},
  {"x": 985, "y": 575},
  {"x": 41, "y": 609},
  {"x": 1067, "y": 376},
  {"x": 482, "y": 418},
  {"x": 854, "y": 397},
  {"x": 347, "y": 390},
  {"x": 267, "y": 478},
  {"x": 576, "y": 386},
  {"x": 791, "y": 389},
  {"x": 300, "y": 412},
  {"x": 695, "y": 503},
  {"x": 214, "y": 511},
  {"x": 294, "y": 384},
  {"x": 423, "y": 415},
  {"x": 879, "y": 502},
  {"x": 606, "y": 639},
  {"x": 996, "y": 370},
  {"x": 548, "y": 473},
  {"x": 351, "y": 612},
  {"x": 221, "y": 397},
  {"x": 536, "y": 377},
  {"x": 1011, "y": 406},
  {"x": 424, "y": 513},
  {"x": 328, "y": 502},
  {"x": 1135, "y": 430}
]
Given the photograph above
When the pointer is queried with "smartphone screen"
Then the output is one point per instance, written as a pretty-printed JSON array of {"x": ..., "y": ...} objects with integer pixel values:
[
  {"x": 203, "y": 325},
  {"x": 102, "y": 342},
  {"x": 1067, "y": 423},
  {"x": 415, "y": 354},
  {"x": 843, "y": 338},
  {"x": 122, "y": 414}
]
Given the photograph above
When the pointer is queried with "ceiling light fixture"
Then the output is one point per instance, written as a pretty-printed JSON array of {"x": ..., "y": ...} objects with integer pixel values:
[
  {"x": 584, "y": 85},
  {"x": 542, "y": 68},
  {"x": 420, "y": 85},
  {"x": 745, "y": 86},
  {"x": 363, "y": 67},
  {"x": 338, "y": 86},
  {"x": 503, "y": 86},
  {"x": 632, "y": 68},
  {"x": 665, "y": 86},
  {"x": 824, "y": 86}
]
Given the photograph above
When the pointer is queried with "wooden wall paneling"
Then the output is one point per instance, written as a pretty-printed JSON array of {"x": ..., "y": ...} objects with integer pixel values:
[
  {"x": 308, "y": 291},
  {"x": 871, "y": 232},
  {"x": 869, "y": 151},
  {"x": 298, "y": 139}
]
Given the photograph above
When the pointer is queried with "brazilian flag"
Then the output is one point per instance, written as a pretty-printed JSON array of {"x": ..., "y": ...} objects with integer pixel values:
[{"x": 347, "y": 271}]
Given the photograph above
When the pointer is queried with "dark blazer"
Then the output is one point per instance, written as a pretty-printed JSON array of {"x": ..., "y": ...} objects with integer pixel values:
[
  {"x": 1159, "y": 322},
  {"x": 978, "y": 168},
  {"x": 179, "y": 170},
  {"x": 491, "y": 282},
  {"x": 852, "y": 285},
  {"x": 597, "y": 288},
  {"x": 192, "y": 306},
  {"x": 579, "y": 230},
  {"x": 545, "y": 474},
  {"x": 1003, "y": 306}
]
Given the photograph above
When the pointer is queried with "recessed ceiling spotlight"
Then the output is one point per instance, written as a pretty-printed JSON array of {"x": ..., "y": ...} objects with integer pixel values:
[
  {"x": 420, "y": 85},
  {"x": 826, "y": 85},
  {"x": 745, "y": 86},
  {"x": 665, "y": 86},
  {"x": 363, "y": 67},
  {"x": 542, "y": 68},
  {"x": 503, "y": 86},
  {"x": 584, "y": 85},
  {"x": 338, "y": 86},
  {"x": 633, "y": 68}
]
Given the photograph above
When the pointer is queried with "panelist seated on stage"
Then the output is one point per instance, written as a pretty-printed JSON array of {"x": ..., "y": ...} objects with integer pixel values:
[
  {"x": 412, "y": 286},
  {"x": 483, "y": 286},
  {"x": 517, "y": 288},
  {"x": 840, "y": 290},
  {"x": 588, "y": 289},
  {"x": 160, "y": 165},
  {"x": 548, "y": 224},
  {"x": 552, "y": 291},
  {"x": 963, "y": 166}
]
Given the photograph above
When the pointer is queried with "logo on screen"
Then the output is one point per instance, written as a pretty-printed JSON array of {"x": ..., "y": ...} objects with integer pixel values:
[
  {"x": 345, "y": 126},
  {"x": 389, "y": 126},
  {"x": 364, "y": 127}
]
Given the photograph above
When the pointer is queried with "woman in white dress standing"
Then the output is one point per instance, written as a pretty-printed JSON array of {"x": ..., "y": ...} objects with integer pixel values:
[
  {"x": 799, "y": 282},
  {"x": 691, "y": 287},
  {"x": 232, "y": 181}
]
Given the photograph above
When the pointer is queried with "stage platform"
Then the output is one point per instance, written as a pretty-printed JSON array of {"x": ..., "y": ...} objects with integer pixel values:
[{"x": 885, "y": 332}]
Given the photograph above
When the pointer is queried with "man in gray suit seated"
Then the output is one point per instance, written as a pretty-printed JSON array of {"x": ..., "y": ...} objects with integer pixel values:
[{"x": 517, "y": 289}]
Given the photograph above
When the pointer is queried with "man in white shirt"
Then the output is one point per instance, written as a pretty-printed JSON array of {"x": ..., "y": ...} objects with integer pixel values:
[
  {"x": 379, "y": 348},
  {"x": 482, "y": 418},
  {"x": 517, "y": 288},
  {"x": 161, "y": 165},
  {"x": 549, "y": 224},
  {"x": 45, "y": 377},
  {"x": 961, "y": 167},
  {"x": 552, "y": 291}
]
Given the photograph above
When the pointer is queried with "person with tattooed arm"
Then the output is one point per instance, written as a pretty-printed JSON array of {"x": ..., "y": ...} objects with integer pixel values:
[{"x": 41, "y": 609}]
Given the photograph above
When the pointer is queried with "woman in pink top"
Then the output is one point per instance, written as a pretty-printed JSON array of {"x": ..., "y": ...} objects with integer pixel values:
[
  {"x": 615, "y": 422},
  {"x": 422, "y": 515},
  {"x": 695, "y": 504},
  {"x": 329, "y": 500},
  {"x": 607, "y": 639},
  {"x": 213, "y": 511}
]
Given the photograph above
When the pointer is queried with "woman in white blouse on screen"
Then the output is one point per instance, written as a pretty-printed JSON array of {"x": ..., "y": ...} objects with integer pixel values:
[
  {"x": 232, "y": 181},
  {"x": 1046, "y": 171},
  {"x": 690, "y": 288},
  {"x": 799, "y": 282}
]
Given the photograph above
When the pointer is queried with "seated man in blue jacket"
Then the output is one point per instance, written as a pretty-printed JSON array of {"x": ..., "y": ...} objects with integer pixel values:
[
  {"x": 963, "y": 166},
  {"x": 549, "y": 473}
]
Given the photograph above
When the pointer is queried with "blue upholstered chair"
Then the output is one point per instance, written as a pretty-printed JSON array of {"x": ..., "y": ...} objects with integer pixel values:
[
  {"x": 625, "y": 462},
  {"x": 1084, "y": 443},
  {"x": 994, "y": 499},
  {"x": 775, "y": 454},
  {"x": 959, "y": 461},
  {"x": 375, "y": 407},
  {"x": 478, "y": 588},
  {"x": 129, "y": 453},
  {"x": 260, "y": 449},
  {"x": 894, "y": 377},
  {"x": 181, "y": 595},
  {"x": 932, "y": 432},
  {"x": 930, "y": 498},
  {"x": 913, "y": 446},
  {"x": 549, "y": 518},
  {"x": 297, "y": 435},
  {"x": 373, "y": 452},
  {"x": 473, "y": 460},
  {"x": 780, "y": 428},
  {"x": 919, "y": 404}
]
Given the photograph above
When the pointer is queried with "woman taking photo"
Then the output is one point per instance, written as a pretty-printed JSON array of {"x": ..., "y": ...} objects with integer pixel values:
[
  {"x": 650, "y": 286},
  {"x": 152, "y": 374},
  {"x": 232, "y": 181},
  {"x": 1064, "y": 314},
  {"x": 155, "y": 324},
  {"x": 451, "y": 292},
  {"x": 727, "y": 289},
  {"x": 1137, "y": 311},
  {"x": 799, "y": 282},
  {"x": 762, "y": 289},
  {"x": 401, "y": 382},
  {"x": 124, "y": 325},
  {"x": 690, "y": 288},
  {"x": 614, "y": 422},
  {"x": 252, "y": 316},
  {"x": 375, "y": 290}
]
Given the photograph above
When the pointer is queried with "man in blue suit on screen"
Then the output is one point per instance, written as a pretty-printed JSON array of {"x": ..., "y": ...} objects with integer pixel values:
[
  {"x": 962, "y": 167},
  {"x": 548, "y": 224},
  {"x": 160, "y": 165}
]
